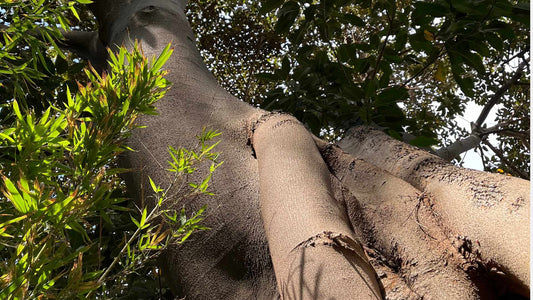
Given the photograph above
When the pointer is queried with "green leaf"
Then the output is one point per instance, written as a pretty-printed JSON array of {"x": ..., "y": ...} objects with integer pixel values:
[
  {"x": 143, "y": 217},
  {"x": 462, "y": 6},
  {"x": 494, "y": 40},
  {"x": 16, "y": 109},
  {"x": 287, "y": 14},
  {"x": 269, "y": 77},
  {"x": 441, "y": 72},
  {"x": 155, "y": 188},
  {"x": 297, "y": 36},
  {"x": 285, "y": 68},
  {"x": 135, "y": 222},
  {"x": 473, "y": 60},
  {"x": 13, "y": 194},
  {"x": 270, "y": 5},
  {"x": 480, "y": 47},
  {"x": 390, "y": 95},
  {"x": 14, "y": 220},
  {"x": 370, "y": 87},
  {"x": 61, "y": 65},
  {"x": 352, "y": 19},
  {"x": 346, "y": 53},
  {"x": 75, "y": 13},
  {"x": 163, "y": 57},
  {"x": 466, "y": 84},
  {"x": 423, "y": 141},
  {"x": 401, "y": 40},
  {"x": 205, "y": 183},
  {"x": 430, "y": 8},
  {"x": 395, "y": 134}
]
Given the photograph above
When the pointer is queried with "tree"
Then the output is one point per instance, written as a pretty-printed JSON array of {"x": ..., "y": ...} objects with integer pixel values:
[
  {"x": 342, "y": 63},
  {"x": 369, "y": 217},
  {"x": 318, "y": 205}
]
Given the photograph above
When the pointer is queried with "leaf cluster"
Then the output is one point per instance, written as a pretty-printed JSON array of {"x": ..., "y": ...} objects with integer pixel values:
[
  {"x": 235, "y": 42},
  {"x": 33, "y": 68},
  {"x": 409, "y": 67},
  {"x": 62, "y": 206}
]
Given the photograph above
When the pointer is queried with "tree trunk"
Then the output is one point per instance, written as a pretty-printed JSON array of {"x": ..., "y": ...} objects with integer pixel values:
[{"x": 297, "y": 217}]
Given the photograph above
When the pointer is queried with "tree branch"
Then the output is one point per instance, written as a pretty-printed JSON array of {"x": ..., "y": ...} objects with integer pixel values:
[
  {"x": 87, "y": 45},
  {"x": 456, "y": 148},
  {"x": 495, "y": 99},
  {"x": 523, "y": 136},
  {"x": 383, "y": 45},
  {"x": 501, "y": 156},
  {"x": 83, "y": 43},
  {"x": 474, "y": 139},
  {"x": 427, "y": 65},
  {"x": 521, "y": 54}
]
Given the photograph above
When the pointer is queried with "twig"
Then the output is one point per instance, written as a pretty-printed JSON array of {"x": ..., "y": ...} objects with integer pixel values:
[
  {"x": 128, "y": 243},
  {"x": 521, "y": 54},
  {"x": 423, "y": 69},
  {"x": 499, "y": 93},
  {"x": 506, "y": 161},
  {"x": 383, "y": 45},
  {"x": 482, "y": 155}
]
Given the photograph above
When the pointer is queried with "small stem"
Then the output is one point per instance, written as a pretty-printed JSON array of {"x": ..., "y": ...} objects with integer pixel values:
[
  {"x": 100, "y": 243},
  {"x": 500, "y": 155},
  {"x": 135, "y": 234},
  {"x": 383, "y": 45},
  {"x": 521, "y": 53},
  {"x": 423, "y": 69},
  {"x": 496, "y": 97},
  {"x": 482, "y": 155}
]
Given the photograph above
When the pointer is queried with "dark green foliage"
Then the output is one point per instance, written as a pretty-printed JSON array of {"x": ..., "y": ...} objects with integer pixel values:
[
  {"x": 32, "y": 67},
  {"x": 236, "y": 42},
  {"x": 407, "y": 66}
]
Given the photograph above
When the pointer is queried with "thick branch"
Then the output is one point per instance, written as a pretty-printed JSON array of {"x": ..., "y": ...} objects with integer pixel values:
[
  {"x": 87, "y": 45},
  {"x": 310, "y": 239},
  {"x": 455, "y": 149},
  {"x": 499, "y": 202},
  {"x": 392, "y": 207}
]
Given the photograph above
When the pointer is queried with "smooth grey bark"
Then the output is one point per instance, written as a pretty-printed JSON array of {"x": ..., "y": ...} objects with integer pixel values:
[
  {"x": 231, "y": 260},
  {"x": 455, "y": 149},
  {"x": 316, "y": 206}
]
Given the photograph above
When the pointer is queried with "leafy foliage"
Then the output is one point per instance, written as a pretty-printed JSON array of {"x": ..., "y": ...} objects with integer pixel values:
[
  {"x": 62, "y": 206},
  {"x": 32, "y": 66},
  {"x": 63, "y": 209},
  {"x": 404, "y": 66},
  {"x": 235, "y": 42}
]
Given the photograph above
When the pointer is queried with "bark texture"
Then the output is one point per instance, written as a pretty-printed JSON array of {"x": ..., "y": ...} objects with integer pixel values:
[
  {"x": 298, "y": 218},
  {"x": 312, "y": 244}
]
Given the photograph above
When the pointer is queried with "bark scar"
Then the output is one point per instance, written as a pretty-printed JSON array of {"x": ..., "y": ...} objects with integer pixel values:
[{"x": 331, "y": 239}]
